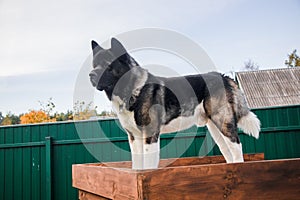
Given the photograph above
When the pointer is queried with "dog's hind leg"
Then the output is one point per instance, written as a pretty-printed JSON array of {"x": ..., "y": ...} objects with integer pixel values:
[
  {"x": 225, "y": 121},
  {"x": 219, "y": 138},
  {"x": 235, "y": 149},
  {"x": 228, "y": 131},
  {"x": 231, "y": 138}
]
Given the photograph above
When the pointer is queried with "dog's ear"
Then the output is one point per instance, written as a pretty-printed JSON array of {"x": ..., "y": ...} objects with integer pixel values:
[
  {"x": 96, "y": 47},
  {"x": 117, "y": 47}
]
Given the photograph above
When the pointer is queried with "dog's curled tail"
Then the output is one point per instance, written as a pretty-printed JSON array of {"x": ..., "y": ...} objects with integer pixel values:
[{"x": 250, "y": 124}]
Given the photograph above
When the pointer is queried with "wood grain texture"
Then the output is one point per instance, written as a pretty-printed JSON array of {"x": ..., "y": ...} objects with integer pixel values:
[
  {"x": 250, "y": 180},
  {"x": 192, "y": 178},
  {"x": 172, "y": 162},
  {"x": 107, "y": 182},
  {"x": 83, "y": 195},
  {"x": 205, "y": 160}
]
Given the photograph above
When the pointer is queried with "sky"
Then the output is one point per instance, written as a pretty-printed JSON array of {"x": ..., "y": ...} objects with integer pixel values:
[{"x": 44, "y": 44}]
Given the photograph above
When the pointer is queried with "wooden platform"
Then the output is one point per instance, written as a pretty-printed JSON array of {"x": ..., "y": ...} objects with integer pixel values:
[{"x": 191, "y": 178}]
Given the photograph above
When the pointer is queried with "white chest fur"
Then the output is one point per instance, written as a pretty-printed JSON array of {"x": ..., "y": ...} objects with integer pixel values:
[{"x": 126, "y": 117}]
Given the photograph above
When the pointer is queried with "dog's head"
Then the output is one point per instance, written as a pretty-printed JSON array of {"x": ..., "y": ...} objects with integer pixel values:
[{"x": 109, "y": 66}]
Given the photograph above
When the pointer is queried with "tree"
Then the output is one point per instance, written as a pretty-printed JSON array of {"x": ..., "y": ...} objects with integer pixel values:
[
  {"x": 10, "y": 119},
  {"x": 47, "y": 107},
  {"x": 44, "y": 114},
  {"x": 249, "y": 65},
  {"x": 293, "y": 60},
  {"x": 83, "y": 111},
  {"x": 6, "y": 121},
  {"x": 36, "y": 116},
  {"x": 1, "y": 117},
  {"x": 64, "y": 116},
  {"x": 107, "y": 114}
]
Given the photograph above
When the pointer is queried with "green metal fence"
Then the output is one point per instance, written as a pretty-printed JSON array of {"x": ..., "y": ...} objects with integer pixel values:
[{"x": 36, "y": 160}]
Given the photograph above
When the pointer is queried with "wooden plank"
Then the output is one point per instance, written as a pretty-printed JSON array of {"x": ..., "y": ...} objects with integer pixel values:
[
  {"x": 107, "y": 182},
  {"x": 118, "y": 181},
  {"x": 205, "y": 160},
  {"x": 183, "y": 161},
  {"x": 89, "y": 196},
  {"x": 250, "y": 180}
]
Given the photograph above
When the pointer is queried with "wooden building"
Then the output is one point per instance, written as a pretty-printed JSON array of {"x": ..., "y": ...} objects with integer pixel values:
[{"x": 270, "y": 88}]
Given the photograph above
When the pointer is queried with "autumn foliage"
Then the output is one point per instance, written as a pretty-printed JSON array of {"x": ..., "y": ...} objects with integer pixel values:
[
  {"x": 36, "y": 116},
  {"x": 81, "y": 111}
]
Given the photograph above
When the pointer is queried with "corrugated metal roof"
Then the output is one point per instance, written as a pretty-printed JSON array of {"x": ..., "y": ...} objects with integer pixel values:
[{"x": 274, "y": 87}]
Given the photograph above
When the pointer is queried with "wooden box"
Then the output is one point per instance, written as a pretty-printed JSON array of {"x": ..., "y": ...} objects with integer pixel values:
[{"x": 191, "y": 178}]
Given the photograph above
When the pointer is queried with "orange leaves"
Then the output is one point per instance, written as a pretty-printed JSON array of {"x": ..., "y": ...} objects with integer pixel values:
[{"x": 36, "y": 116}]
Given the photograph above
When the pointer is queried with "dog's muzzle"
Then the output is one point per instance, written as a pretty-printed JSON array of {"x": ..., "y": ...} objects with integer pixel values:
[{"x": 94, "y": 78}]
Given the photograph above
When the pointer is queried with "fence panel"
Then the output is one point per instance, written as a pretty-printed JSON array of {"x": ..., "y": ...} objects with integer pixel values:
[{"x": 36, "y": 160}]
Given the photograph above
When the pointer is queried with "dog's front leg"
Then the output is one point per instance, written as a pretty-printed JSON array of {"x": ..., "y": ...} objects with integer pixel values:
[
  {"x": 152, "y": 152},
  {"x": 144, "y": 151}
]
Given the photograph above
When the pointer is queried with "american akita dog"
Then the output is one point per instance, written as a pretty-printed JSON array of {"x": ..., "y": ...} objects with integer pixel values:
[{"x": 148, "y": 105}]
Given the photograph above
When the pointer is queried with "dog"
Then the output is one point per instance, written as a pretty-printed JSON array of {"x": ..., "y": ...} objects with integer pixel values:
[{"x": 148, "y": 105}]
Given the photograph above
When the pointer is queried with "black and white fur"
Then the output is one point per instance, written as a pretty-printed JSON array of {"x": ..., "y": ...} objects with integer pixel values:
[{"x": 148, "y": 105}]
